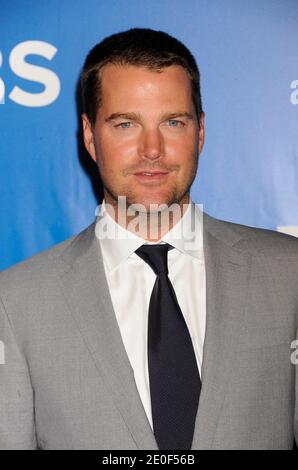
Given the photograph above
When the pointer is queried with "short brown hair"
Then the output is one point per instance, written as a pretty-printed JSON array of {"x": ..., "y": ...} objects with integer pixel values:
[{"x": 141, "y": 47}]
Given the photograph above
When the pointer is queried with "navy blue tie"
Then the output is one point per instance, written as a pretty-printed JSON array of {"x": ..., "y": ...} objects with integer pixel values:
[{"x": 174, "y": 377}]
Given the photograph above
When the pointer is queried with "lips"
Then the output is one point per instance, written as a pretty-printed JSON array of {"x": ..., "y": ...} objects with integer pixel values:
[
  {"x": 150, "y": 173},
  {"x": 151, "y": 176}
]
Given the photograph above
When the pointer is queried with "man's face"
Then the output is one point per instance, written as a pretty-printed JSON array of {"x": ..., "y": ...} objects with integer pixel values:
[{"x": 146, "y": 124}]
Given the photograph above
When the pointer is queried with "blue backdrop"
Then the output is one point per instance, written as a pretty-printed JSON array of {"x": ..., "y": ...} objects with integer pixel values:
[{"x": 248, "y": 56}]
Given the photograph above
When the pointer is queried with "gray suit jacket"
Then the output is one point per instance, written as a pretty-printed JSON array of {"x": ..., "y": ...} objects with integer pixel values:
[{"x": 67, "y": 382}]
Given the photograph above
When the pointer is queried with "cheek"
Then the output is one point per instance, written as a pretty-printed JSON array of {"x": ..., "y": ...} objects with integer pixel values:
[
  {"x": 112, "y": 162},
  {"x": 118, "y": 151},
  {"x": 182, "y": 151}
]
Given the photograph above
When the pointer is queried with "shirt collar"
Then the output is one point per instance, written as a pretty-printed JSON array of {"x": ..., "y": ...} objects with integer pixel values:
[{"x": 117, "y": 243}]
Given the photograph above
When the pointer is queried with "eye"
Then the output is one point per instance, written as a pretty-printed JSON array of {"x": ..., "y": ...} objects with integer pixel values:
[
  {"x": 123, "y": 125},
  {"x": 176, "y": 123}
]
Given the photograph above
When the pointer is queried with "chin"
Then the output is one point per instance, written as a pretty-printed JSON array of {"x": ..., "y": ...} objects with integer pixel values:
[{"x": 151, "y": 205}]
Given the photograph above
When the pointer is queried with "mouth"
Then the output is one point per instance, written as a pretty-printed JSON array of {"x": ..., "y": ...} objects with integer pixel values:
[{"x": 151, "y": 175}]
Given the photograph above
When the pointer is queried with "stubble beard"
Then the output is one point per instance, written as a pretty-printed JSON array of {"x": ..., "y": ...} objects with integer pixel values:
[
  {"x": 176, "y": 198},
  {"x": 140, "y": 204}
]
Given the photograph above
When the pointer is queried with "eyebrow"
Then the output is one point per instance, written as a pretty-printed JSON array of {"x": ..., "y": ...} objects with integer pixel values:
[{"x": 137, "y": 116}]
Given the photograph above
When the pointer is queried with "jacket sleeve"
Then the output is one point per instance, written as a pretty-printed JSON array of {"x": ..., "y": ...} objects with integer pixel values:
[
  {"x": 296, "y": 391},
  {"x": 17, "y": 429}
]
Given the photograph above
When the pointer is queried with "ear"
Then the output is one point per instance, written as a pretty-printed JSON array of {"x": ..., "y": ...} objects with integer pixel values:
[
  {"x": 201, "y": 132},
  {"x": 88, "y": 137}
]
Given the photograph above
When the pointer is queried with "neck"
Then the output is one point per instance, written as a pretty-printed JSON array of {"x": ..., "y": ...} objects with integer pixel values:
[{"x": 150, "y": 225}]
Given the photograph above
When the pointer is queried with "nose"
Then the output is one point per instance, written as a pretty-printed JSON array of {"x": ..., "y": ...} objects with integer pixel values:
[{"x": 151, "y": 144}]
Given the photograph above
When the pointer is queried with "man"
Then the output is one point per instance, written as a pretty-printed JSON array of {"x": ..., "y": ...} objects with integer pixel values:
[{"x": 157, "y": 327}]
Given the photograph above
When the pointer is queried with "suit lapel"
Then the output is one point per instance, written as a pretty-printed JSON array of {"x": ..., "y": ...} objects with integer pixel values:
[
  {"x": 227, "y": 272},
  {"x": 86, "y": 291}
]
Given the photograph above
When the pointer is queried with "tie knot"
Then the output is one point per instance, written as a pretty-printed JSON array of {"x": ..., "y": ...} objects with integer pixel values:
[{"x": 156, "y": 256}]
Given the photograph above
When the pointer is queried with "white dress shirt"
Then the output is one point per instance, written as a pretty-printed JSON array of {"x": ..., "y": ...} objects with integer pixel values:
[{"x": 131, "y": 281}]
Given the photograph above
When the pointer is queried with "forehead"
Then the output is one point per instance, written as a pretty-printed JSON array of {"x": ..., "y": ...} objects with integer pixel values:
[{"x": 139, "y": 84}]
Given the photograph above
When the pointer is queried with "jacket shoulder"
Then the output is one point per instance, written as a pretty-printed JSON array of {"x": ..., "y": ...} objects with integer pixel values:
[
  {"x": 43, "y": 265},
  {"x": 253, "y": 240}
]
